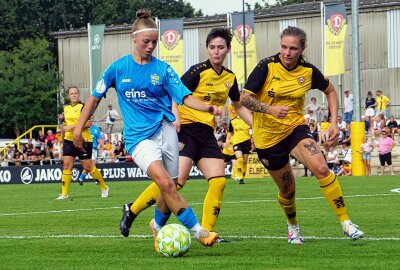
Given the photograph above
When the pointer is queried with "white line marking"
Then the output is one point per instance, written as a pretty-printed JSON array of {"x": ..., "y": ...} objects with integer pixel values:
[
  {"x": 66, "y": 236},
  {"x": 197, "y": 203},
  {"x": 397, "y": 190}
]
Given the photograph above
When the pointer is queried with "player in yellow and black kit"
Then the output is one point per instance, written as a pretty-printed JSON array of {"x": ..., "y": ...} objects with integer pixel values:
[
  {"x": 72, "y": 113},
  {"x": 241, "y": 144},
  {"x": 212, "y": 83},
  {"x": 275, "y": 92}
]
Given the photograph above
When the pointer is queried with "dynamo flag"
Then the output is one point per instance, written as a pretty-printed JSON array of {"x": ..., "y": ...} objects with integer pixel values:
[
  {"x": 335, "y": 25},
  {"x": 171, "y": 44},
  {"x": 96, "y": 36},
  {"x": 243, "y": 34}
]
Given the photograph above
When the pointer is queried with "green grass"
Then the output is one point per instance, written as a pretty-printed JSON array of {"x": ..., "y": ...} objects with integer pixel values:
[{"x": 37, "y": 232}]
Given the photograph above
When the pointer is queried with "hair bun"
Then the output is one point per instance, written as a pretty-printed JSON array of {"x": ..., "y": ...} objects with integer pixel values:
[{"x": 142, "y": 14}]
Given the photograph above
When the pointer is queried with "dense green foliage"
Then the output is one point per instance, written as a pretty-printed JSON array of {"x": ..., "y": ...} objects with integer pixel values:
[{"x": 38, "y": 232}]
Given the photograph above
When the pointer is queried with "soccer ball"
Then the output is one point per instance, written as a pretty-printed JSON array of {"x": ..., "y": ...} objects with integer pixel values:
[{"x": 173, "y": 240}]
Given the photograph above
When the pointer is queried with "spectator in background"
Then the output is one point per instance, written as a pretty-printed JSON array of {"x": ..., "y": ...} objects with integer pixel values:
[
  {"x": 50, "y": 139},
  {"x": 346, "y": 151},
  {"x": 41, "y": 140},
  {"x": 346, "y": 169},
  {"x": 366, "y": 123},
  {"x": 314, "y": 131},
  {"x": 379, "y": 124},
  {"x": 311, "y": 117},
  {"x": 367, "y": 148},
  {"x": 57, "y": 149},
  {"x": 315, "y": 107},
  {"x": 370, "y": 110},
  {"x": 392, "y": 124},
  {"x": 381, "y": 103},
  {"x": 59, "y": 135},
  {"x": 18, "y": 157},
  {"x": 332, "y": 157},
  {"x": 119, "y": 153},
  {"x": 348, "y": 107},
  {"x": 385, "y": 147},
  {"x": 342, "y": 129},
  {"x": 323, "y": 133},
  {"x": 38, "y": 156},
  {"x": 110, "y": 120}
]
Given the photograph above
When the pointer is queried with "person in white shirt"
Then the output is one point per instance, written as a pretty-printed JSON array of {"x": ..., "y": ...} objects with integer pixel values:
[
  {"x": 342, "y": 129},
  {"x": 332, "y": 157},
  {"x": 110, "y": 120},
  {"x": 348, "y": 107}
]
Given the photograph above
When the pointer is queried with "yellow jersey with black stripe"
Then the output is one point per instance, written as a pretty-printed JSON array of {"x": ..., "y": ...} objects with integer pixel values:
[
  {"x": 241, "y": 130},
  {"x": 211, "y": 88},
  {"x": 71, "y": 117},
  {"x": 382, "y": 102},
  {"x": 274, "y": 85}
]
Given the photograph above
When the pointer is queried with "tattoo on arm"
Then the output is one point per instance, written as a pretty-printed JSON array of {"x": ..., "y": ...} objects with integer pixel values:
[
  {"x": 254, "y": 105},
  {"x": 312, "y": 147},
  {"x": 287, "y": 178}
]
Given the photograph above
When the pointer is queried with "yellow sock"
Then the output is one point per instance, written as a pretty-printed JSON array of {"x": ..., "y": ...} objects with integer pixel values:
[
  {"x": 146, "y": 199},
  {"x": 289, "y": 207},
  {"x": 239, "y": 167},
  {"x": 330, "y": 187},
  {"x": 212, "y": 202},
  {"x": 244, "y": 169},
  {"x": 66, "y": 179},
  {"x": 96, "y": 174},
  {"x": 234, "y": 171}
]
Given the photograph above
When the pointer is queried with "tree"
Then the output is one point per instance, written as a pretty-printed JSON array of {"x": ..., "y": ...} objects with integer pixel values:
[{"x": 28, "y": 87}]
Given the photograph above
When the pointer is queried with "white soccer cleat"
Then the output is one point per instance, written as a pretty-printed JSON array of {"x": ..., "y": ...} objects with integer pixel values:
[
  {"x": 351, "y": 230},
  {"x": 62, "y": 197},
  {"x": 294, "y": 234},
  {"x": 104, "y": 193}
]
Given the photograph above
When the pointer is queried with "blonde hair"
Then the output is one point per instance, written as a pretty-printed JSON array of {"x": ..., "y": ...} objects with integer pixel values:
[{"x": 143, "y": 20}]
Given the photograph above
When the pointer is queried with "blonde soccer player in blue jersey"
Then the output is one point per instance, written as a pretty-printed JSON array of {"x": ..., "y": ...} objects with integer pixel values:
[{"x": 146, "y": 88}]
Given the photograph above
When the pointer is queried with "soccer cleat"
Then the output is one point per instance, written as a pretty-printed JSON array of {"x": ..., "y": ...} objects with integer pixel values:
[
  {"x": 241, "y": 181},
  {"x": 104, "y": 193},
  {"x": 294, "y": 234},
  {"x": 351, "y": 230},
  {"x": 206, "y": 238},
  {"x": 80, "y": 182},
  {"x": 62, "y": 197},
  {"x": 154, "y": 232},
  {"x": 237, "y": 178},
  {"x": 127, "y": 219}
]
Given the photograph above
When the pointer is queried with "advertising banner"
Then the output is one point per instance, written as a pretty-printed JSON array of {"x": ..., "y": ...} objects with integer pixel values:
[
  {"x": 171, "y": 44},
  {"x": 243, "y": 33},
  {"x": 96, "y": 36},
  {"x": 335, "y": 26}
]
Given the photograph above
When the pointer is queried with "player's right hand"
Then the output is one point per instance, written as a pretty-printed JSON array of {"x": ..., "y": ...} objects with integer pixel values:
[{"x": 278, "y": 111}]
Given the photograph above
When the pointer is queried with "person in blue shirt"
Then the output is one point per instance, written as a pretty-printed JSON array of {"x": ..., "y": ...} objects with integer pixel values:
[
  {"x": 146, "y": 88},
  {"x": 96, "y": 136}
]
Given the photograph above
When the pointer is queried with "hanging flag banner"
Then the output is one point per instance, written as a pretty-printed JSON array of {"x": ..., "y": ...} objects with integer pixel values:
[
  {"x": 96, "y": 36},
  {"x": 335, "y": 25},
  {"x": 171, "y": 44},
  {"x": 243, "y": 33}
]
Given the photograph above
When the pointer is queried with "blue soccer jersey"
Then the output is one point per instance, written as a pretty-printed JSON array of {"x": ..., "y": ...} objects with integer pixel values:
[
  {"x": 145, "y": 94},
  {"x": 96, "y": 135}
]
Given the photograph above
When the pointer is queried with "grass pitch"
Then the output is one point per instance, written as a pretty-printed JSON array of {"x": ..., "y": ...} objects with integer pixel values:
[{"x": 38, "y": 232}]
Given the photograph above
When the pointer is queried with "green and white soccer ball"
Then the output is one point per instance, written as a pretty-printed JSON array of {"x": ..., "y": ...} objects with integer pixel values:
[{"x": 173, "y": 240}]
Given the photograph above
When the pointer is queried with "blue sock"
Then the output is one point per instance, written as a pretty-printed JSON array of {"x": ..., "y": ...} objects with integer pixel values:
[
  {"x": 161, "y": 218},
  {"x": 82, "y": 177},
  {"x": 188, "y": 218}
]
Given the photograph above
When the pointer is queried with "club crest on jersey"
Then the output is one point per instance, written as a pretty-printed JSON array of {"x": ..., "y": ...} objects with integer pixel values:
[
  {"x": 335, "y": 23},
  {"x": 301, "y": 80},
  {"x": 227, "y": 85},
  {"x": 155, "y": 79},
  {"x": 100, "y": 86},
  {"x": 170, "y": 39}
]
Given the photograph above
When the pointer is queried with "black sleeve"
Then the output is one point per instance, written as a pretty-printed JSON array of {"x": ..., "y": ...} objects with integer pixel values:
[
  {"x": 230, "y": 128},
  {"x": 234, "y": 93},
  {"x": 191, "y": 78},
  {"x": 318, "y": 79},
  {"x": 257, "y": 77}
]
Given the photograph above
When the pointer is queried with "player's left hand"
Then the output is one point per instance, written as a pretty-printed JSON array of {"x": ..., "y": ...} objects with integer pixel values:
[
  {"x": 333, "y": 132},
  {"x": 213, "y": 109},
  {"x": 79, "y": 142}
]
